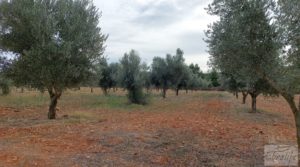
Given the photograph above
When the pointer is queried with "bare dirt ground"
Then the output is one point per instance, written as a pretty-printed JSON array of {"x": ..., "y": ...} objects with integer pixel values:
[{"x": 195, "y": 129}]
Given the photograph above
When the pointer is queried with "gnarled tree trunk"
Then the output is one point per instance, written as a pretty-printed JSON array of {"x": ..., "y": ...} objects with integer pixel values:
[
  {"x": 245, "y": 94},
  {"x": 290, "y": 99},
  {"x": 54, "y": 96},
  {"x": 236, "y": 95},
  {"x": 177, "y": 92},
  {"x": 297, "y": 123},
  {"x": 296, "y": 111},
  {"x": 253, "y": 103}
]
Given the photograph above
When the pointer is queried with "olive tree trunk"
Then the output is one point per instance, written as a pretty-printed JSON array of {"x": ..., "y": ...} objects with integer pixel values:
[
  {"x": 105, "y": 91},
  {"x": 253, "y": 103},
  {"x": 245, "y": 94},
  {"x": 290, "y": 98},
  {"x": 164, "y": 92},
  {"x": 236, "y": 95},
  {"x": 297, "y": 123},
  {"x": 54, "y": 96},
  {"x": 296, "y": 111}
]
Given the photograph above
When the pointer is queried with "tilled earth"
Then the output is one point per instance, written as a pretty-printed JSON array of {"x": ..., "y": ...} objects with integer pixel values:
[{"x": 189, "y": 130}]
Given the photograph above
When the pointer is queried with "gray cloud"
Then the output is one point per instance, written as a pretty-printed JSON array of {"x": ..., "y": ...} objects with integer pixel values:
[
  {"x": 155, "y": 27},
  {"x": 193, "y": 43},
  {"x": 162, "y": 13},
  {"x": 157, "y": 15}
]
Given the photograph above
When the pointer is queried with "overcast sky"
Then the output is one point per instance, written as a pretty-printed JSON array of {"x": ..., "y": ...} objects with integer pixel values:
[{"x": 155, "y": 28}]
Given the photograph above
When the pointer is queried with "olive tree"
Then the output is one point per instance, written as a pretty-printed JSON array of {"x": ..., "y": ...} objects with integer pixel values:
[
  {"x": 177, "y": 70},
  {"x": 4, "y": 80},
  {"x": 57, "y": 43},
  {"x": 260, "y": 43},
  {"x": 286, "y": 77},
  {"x": 196, "y": 70},
  {"x": 131, "y": 77},
  {"x": 234, "y": 85},
  {"x": 187, "y": 82},
  {"x": 197, "y": 79},
  {"x": 213, "y": 76},
  {"x": 115, "y": 74},
  {"x": 106, "y": 80},
  {"x": 146, "y": 77},
  {"x": 161, "y": 74},
  {"x": 170, "y": 72},
  {"x": 243, "y": 42}
]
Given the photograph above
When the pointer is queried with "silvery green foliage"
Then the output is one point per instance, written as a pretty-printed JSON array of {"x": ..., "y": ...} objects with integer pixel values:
[
  {"x": 105, "y": 77},
  {"x": 160, "y": 73},
  {"x": 242, "y": 43},
  {"x": 5, "y": 83},
  {"x": 197, "y": 78},
  {"x": 170, "y": 71},
  {"x": 231, "y": 84},
  {"x": 146, "y": 76},
  {"x": 58, "y": 41},
  {"x": 115, "y": 74},
  {"x": 288, "y": 17},
  {"x": 131, "y": 77},
  {"x": 177, "y": 69}
]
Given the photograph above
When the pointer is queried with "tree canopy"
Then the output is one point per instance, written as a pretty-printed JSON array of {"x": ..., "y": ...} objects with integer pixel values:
[
  {"x": 243, "y": 43},
  {"x": 254, "y": 43},
  {"x": 131, "y": 77},
  {"x": 57, "y": 43}
]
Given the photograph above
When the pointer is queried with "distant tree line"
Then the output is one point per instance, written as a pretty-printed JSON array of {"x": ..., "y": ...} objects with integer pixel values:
[{"x": 163, "y": 74}]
